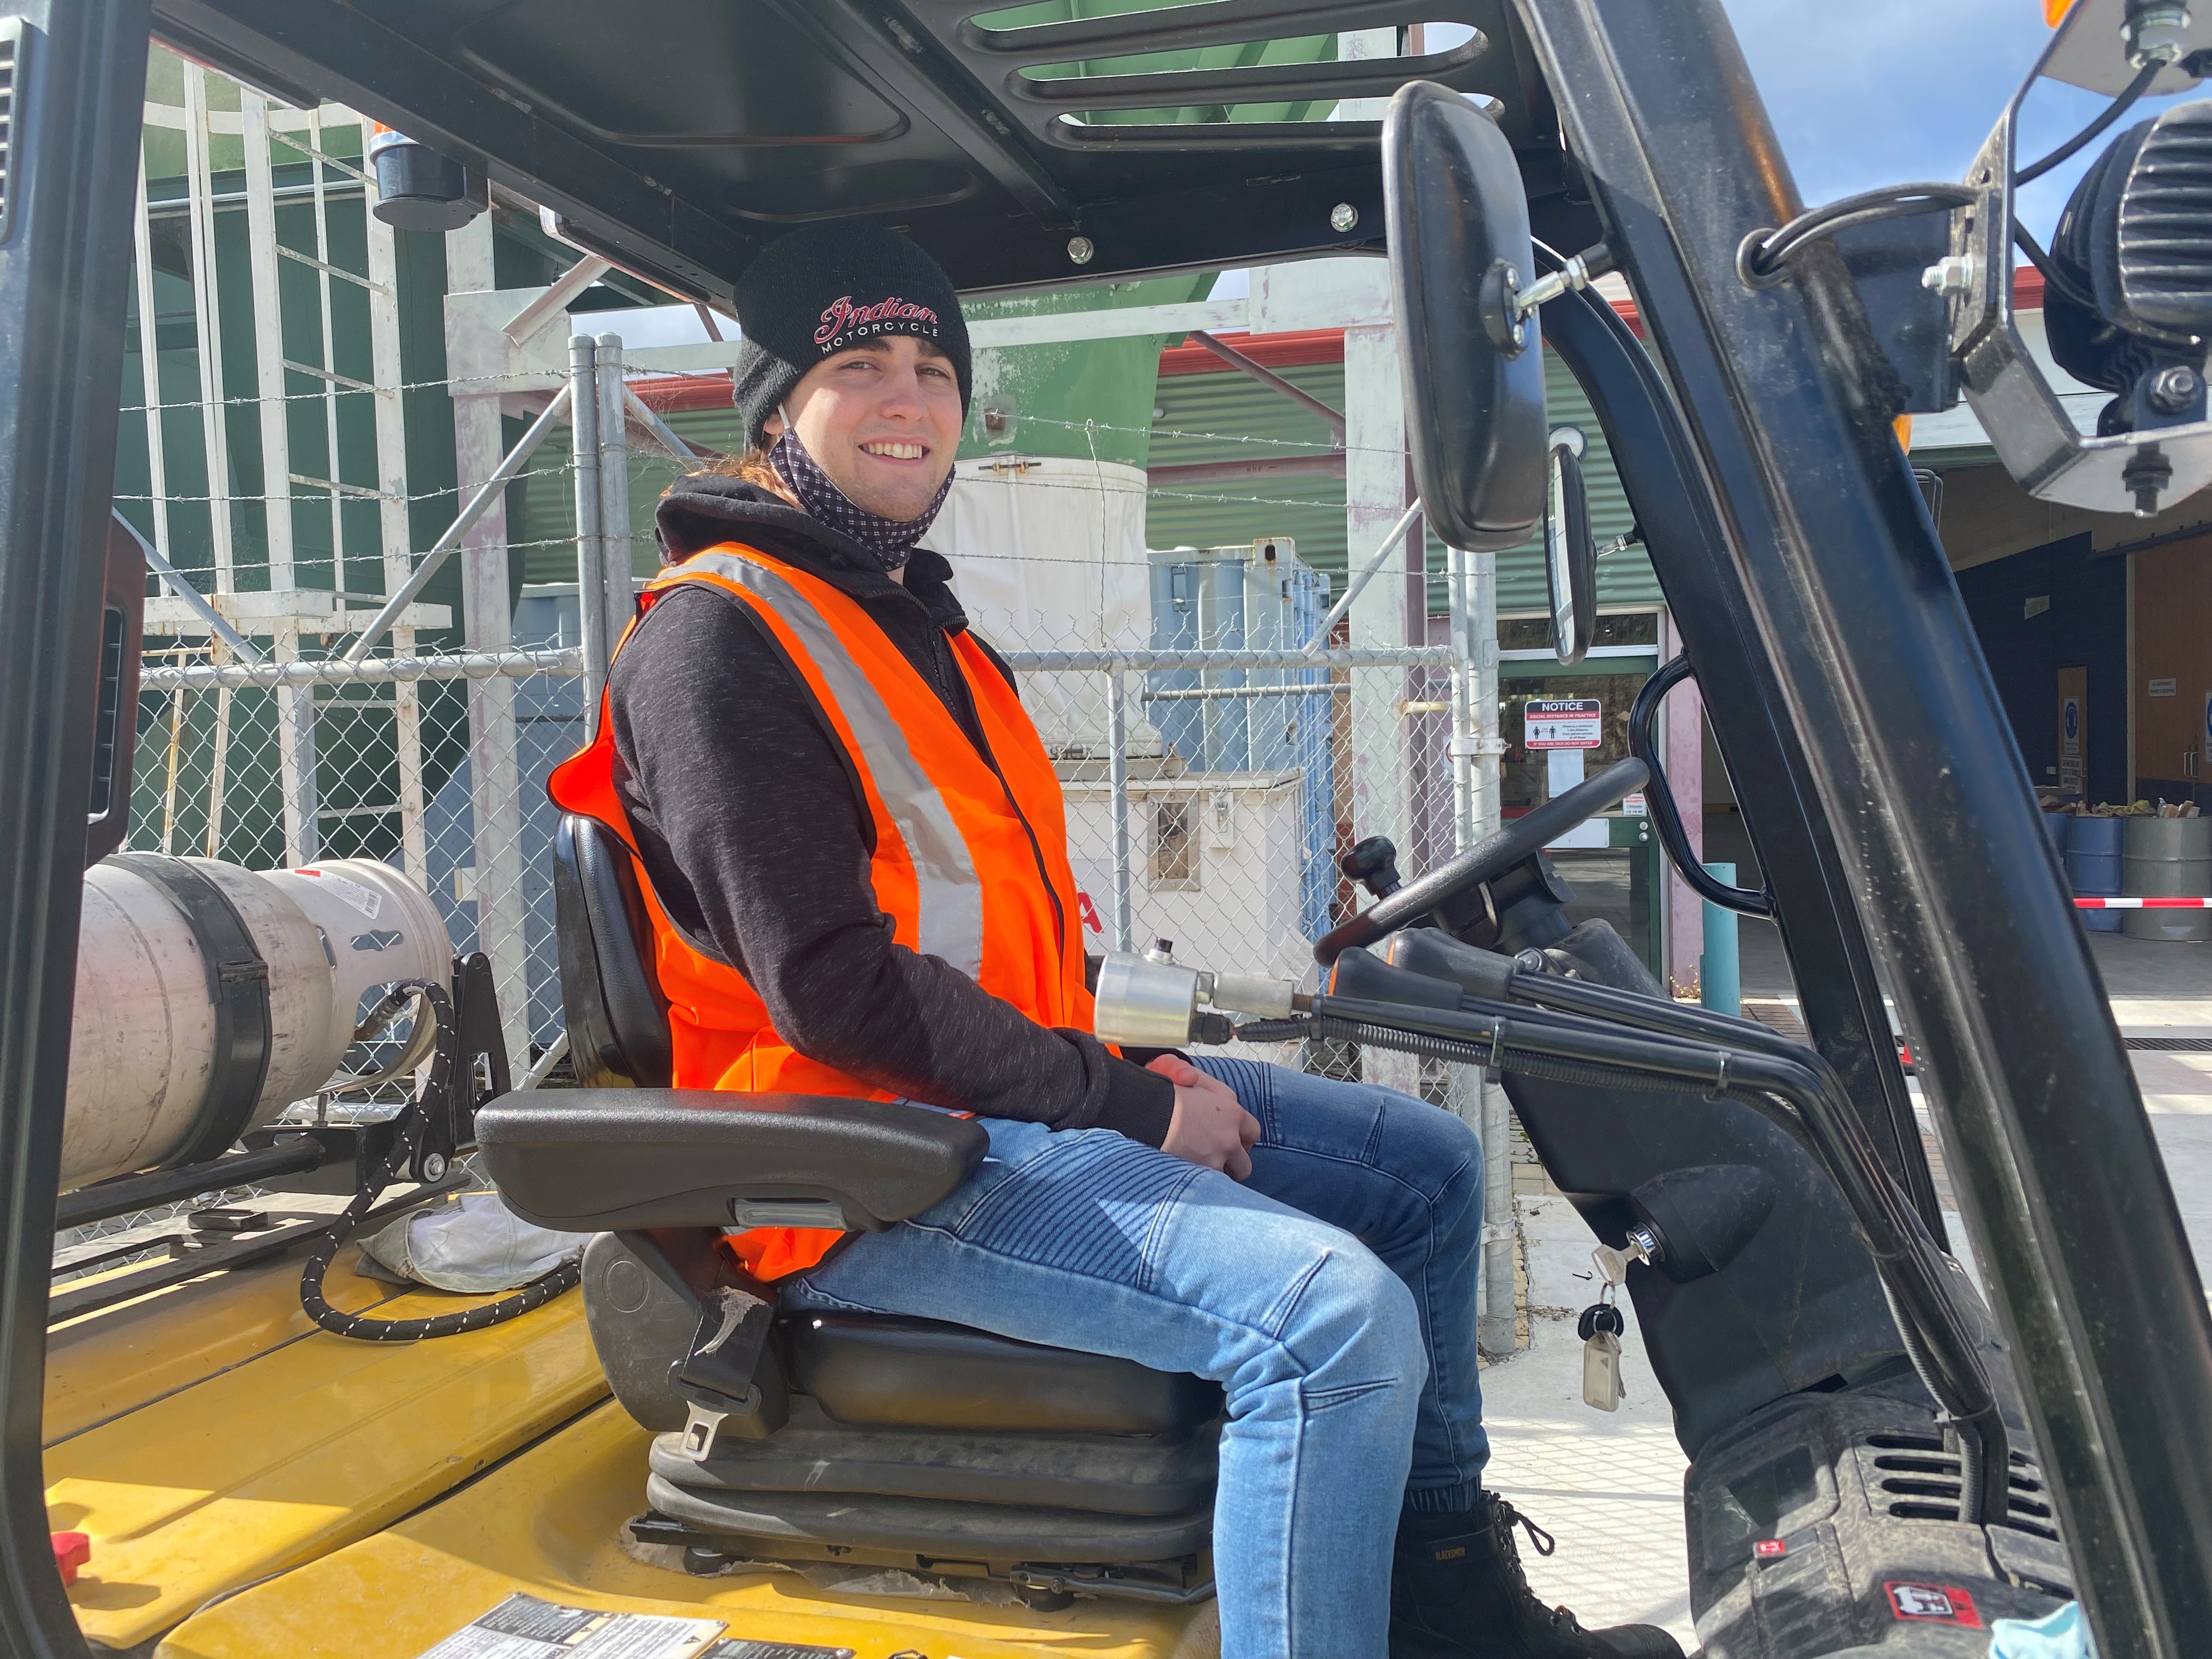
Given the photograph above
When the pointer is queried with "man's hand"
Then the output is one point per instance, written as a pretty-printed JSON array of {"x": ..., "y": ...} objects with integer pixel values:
[{"x": 1209, "y": 1126}]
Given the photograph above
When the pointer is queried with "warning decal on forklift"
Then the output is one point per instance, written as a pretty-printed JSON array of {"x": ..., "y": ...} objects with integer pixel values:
[
  {"x": 1936, "y": 1604},
  {"x": 524, "y": 1627},
  {"x": 1565, "y": 723}
]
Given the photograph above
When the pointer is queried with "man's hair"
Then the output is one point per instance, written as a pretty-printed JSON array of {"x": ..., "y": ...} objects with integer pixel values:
[{"x": 754, "y": 467}]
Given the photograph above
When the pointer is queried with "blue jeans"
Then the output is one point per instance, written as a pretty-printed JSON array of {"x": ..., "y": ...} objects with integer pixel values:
[{"x": 1333, "y": 1296}]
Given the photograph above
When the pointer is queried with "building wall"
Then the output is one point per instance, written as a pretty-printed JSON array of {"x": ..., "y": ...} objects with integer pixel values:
[
  {"x": 2173, "y": 658},
  {"x": 2083, "y": 624}
]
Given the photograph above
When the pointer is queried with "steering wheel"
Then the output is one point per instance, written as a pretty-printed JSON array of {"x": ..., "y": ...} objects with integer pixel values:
[{"x": 1523, "y": 838}]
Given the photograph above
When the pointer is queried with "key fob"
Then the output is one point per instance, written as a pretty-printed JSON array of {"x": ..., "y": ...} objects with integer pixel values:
[
  {"x": 1600, "y": 1316},
  {"x": 1601, "y": 1387}
]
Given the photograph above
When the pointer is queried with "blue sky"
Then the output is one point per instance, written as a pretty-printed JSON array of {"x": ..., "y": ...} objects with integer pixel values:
[{"x": 1874, "y": 92}]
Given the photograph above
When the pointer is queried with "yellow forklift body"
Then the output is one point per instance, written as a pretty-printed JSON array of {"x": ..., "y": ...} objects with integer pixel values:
[
  {"x": 208, "y": 1437},
  {"x": 550, "y": 1524}
]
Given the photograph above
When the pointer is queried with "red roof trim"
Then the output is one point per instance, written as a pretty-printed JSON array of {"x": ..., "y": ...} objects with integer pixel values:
[
  {"x": 671, "y": 394},
  {"x": 1295, "y": 350},
  {"x": 1326, "y": 345}
]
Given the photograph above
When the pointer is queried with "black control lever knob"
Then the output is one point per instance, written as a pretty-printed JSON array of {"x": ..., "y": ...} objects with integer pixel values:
[{"x": 1373, "y": 863}]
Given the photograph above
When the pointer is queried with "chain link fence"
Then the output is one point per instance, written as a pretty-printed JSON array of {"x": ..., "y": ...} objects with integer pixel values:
[{"x": 1221, "y": 737}]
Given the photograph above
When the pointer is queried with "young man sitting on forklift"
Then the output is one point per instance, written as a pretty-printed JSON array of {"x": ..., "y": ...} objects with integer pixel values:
[{"x": 854, "y": 845}]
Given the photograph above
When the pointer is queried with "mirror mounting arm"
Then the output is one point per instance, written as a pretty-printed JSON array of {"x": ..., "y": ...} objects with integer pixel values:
[{"x": 1579, "y": 271}]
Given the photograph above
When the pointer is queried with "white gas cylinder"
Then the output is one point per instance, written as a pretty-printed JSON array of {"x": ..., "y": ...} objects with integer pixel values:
[{"x": 141, "y": 1054}]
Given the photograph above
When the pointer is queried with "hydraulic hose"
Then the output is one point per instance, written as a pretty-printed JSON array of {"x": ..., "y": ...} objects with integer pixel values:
[{"x": 407, "y": 1131}]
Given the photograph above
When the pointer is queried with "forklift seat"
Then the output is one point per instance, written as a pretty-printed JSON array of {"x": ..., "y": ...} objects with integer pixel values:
[{"x": 847, "y": 1437}]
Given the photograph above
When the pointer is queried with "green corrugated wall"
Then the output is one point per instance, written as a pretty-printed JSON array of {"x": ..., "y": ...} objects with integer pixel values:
[{"x": 1231, "y": 417}]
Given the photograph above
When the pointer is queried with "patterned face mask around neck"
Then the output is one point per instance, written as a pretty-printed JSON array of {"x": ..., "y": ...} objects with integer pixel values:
[{"x": 891, "y": 540}]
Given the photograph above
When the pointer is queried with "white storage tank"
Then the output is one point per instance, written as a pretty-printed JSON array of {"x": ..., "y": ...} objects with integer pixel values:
[{"x": 1048, "y": 555}]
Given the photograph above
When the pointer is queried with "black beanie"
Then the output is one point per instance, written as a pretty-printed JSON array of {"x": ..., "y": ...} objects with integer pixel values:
[{"x": 821, "y": 290}]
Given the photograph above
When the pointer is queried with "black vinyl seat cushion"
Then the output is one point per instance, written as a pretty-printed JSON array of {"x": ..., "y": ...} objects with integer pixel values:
[{"x": 870, "y": 1369}]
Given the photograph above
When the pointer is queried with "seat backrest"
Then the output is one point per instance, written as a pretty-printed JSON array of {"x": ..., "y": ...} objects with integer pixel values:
[{"x": 618, "y": 1018}]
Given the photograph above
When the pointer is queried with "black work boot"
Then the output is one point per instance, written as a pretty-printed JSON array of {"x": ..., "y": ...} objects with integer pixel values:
[{"x": 1457, "y": 1592}]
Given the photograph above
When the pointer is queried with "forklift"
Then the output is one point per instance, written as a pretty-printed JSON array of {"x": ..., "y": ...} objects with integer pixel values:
[{"x": 1880, "y": 1460}]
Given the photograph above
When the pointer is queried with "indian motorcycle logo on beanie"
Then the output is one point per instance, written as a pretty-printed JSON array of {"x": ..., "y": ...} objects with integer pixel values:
[{"x": 843, "y": 322}]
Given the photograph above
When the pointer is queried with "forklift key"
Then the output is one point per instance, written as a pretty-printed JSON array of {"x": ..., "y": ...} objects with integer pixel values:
[{"x": 1613, "y": 1265}]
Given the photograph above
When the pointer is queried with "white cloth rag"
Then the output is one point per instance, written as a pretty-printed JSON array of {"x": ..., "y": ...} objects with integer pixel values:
[{"x": 475, "y": 1245}]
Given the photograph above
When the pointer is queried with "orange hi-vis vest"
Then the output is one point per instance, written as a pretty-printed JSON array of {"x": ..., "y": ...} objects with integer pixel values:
[{"x": 970, "y": 861}]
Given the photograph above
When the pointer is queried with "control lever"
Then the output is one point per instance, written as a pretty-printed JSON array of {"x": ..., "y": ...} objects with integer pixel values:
[
  {"x": 1153, "y": 1001},
  {"x": 1373, "y": 863}
]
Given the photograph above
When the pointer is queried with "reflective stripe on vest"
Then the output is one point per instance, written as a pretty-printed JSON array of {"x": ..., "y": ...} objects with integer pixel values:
[{"x": 950, "y": 919}]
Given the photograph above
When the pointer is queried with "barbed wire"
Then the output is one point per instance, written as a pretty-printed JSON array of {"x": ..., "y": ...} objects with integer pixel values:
[
  {"x": 551, "y": 380},
  {"x": 1322, "y": 503},
  {"x": 545, "y": 380},
  {"x": 318, "y": 493}
]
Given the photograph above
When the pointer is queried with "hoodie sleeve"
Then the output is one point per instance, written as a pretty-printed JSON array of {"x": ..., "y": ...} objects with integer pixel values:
[{"x": 751, "y": 827}]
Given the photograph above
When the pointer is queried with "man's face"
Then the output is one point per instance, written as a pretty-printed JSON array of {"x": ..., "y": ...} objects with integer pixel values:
[{"x": 883, "y": 420}]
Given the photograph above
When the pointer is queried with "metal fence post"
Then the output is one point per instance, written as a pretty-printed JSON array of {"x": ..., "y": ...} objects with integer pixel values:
[
  {"x": 1461, "y": 745},
  {"x": 495, "y": 776},
  {"x": 590, "y": 525},
  {"x": 1379, "y": 751},
  {"x": 617, "y": 591},
  {"x": 295, "y": 709},
  {"x": 1117, "y": 774}
]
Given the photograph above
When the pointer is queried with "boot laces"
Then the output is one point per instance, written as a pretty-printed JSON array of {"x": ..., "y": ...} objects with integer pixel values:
[
  {"x": 1562, "y": 1621},
  {"x": 1544, "y": 1542}
]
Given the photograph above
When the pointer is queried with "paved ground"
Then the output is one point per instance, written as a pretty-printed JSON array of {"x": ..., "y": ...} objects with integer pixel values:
[{"x": 1610, "y": 1486}]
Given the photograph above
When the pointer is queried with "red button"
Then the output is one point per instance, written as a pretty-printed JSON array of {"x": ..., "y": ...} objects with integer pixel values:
[
  {"x": 1768, "y": 1548},
  {"x": 72, "y": 1550}
]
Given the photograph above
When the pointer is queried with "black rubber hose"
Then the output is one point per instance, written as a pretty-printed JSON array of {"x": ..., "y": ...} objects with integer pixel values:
[
  {"x": 2112, "y": 112},
  {"x": 406, "y": 1131},
  {"x": 1762, "y": 259},
  {"x": 1659, "y": 799}
]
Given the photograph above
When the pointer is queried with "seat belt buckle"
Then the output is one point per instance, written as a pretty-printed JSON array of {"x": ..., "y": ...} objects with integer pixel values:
[
  {"x": 703, "y": 1426},
  {"x": 715, "y": 1376}
]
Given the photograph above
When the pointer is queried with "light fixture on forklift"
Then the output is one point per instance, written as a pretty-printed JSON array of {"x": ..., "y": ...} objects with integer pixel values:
[
  {"x": 419, "y": 189},
  {"x": 2128, "y": 277}
]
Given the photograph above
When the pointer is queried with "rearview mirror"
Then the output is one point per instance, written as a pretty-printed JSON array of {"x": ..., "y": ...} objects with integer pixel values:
[
  {"x": 1570, "y": 551},
  {"x": 1460, "y": 258},
  {"x": 115, "y": 693}
]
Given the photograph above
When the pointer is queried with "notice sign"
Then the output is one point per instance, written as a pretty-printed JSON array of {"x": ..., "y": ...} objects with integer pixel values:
[
  {"x": 1565, "y": 723},
  {"x": 2073, "y": 736},
  {"x": 524, "y": 1627}
]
